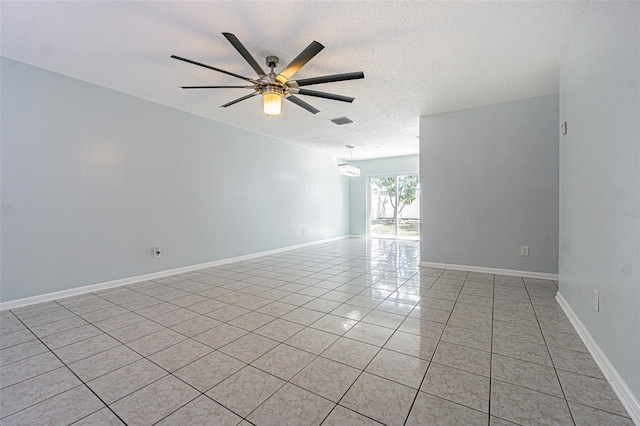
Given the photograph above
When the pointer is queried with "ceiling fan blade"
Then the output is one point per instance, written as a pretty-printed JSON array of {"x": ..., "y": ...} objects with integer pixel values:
[
  {"x": 325, "y": 95},
  {"x": 216, "y": 87},
  {"x": 245, "y": 53},
  {"x": 303, "y": 104},
  {"x": 305, "y": 56},
  {"x": 328, "y": 78},
  {"x": 238, "y": 100},
  {"x": 213, "y": 68}
]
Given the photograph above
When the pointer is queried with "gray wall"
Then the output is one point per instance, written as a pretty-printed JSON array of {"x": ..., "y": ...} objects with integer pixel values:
[
  {"x": 489, "y": 182},
  {"x": 600, "y": 180},
  {"x": 358, "y": 186},
  {"x": 92, "y": 179}
]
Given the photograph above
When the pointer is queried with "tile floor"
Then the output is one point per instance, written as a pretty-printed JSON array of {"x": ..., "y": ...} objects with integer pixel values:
[{"x": 350, "y": 332}]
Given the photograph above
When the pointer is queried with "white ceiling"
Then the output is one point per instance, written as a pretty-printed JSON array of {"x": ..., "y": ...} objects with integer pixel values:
[{"x": 419, "y": 58}]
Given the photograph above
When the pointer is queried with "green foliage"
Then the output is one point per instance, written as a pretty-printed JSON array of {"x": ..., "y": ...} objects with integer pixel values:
[{"x": 407, "y": 191}]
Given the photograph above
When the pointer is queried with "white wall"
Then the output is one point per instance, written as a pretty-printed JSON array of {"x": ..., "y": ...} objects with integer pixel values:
[
  {"x": 600, "y": 180},
  {"x": 92, "y": 179},
  {"x": 489, "y": 182},
  {"x": 358, "y": 186}
]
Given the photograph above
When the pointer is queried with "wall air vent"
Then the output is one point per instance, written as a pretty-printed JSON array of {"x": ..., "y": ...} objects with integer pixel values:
[{"x": 342, "y": 120}]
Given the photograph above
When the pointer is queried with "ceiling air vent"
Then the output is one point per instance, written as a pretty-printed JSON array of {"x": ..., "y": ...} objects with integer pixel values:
[{"x": 342, "y": 120}]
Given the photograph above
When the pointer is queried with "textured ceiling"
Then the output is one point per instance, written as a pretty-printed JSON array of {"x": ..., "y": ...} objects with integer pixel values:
[{"x": 419, "y": 58}]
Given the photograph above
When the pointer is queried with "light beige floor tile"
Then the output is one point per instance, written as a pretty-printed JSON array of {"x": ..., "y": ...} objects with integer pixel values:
[
  {"x": 588, "y": 416},
  {"x": 471, "y": 321},
  {"x": 512, "y": 330},
  {"x": 431, "y": 410},
  {"x": 467, "y": 337},
  {"x": 117, "y": 321},
  {"x": 590, "y": 391},
  {"x": 180, "y": 354},
  {"x": 384, "y": 319},
  {"x": 86, "y": 348},
  {"x": 55, "y": 341},
  {"x": 303, "y": 316},
  {"x": 156, "y": 342},
  {"x": 249, "y": 347},
  {"x": 352, "y": 312},
  {"x": 209, "y": 370},
  {"x": 291, "y": 405},
  {"x": 157, "y": 310},
  {"x": 58, "y": 326},
  {"x": 276, "y": 309},
  {"x": 175, "y": 317},
  {"x": 227, "y": 313},
  {"x": 279, "y": 329},
  {"x": 283, "y": 361},
  {"x": 104, "y": 417},
  {"x": 21, "y": 351},
  {"x": 36, "y": 389},
  {"x": 50, "y": 317},
  {"x": 337, "y": 296},
  {"x": 245, "y": 390},
  {"x": 219, "y": 336},
  {"x": 203, "y": 412},
  {"x": 103, "y": 362},
  {"x": 334, "y": 324},
  {"x": 9, "y": 323},
  {"x": 464, "y": 358},
  {"x": 64, "y": 408},
  {"x": 188, "y": 300},
  {"x": 155, "y": 401},
  {"x": 370, "y": 333},
  {"x": 104, "y": 314},
  {"x": 429, "y": 314},
  {"x": 430, "y": 329},
  {"x": 251, "y": 320},
  {"x": 341, "y": 416},
  {"x": 412, "y": 344},
  {"x": 461, "y": 387},
  {"x": 381, "y": 399},
  {"x": 526, "y": 374},
  {"x": 312, "y": 340},
  {"x": 207, "y": 306},
  {"x": 527, "y": 407},
  {"x": 351, "y": 352},
  {"x": 28, "y": 368},
  {"x": 297, "y": 299},
  {"x": 401, "y": 368},
  {"x": 125, "y": 380},
  {"x": 521, "y": 349},
  {"x": 496, "y": 421},
  {"x": 322, "y": 305},
  {"x": 327, "y": 378},
  {"x": 570, "y": 341},
  {"x": 16, "y": 337},
  {"x": 575, "y": 362},
  {"x": 395, "y": 307},
  {"x": 135, "y": 331},
  {"x": 196, "y": 325}
]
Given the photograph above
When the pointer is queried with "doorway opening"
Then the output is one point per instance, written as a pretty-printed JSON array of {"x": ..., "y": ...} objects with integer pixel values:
[{"x": 394, "y": 206}]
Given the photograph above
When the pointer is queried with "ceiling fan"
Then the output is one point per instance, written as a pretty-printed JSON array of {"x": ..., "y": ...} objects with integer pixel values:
[{"x": 274, "y": 87}]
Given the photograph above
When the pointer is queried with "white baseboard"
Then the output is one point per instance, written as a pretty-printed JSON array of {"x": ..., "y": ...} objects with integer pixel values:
[
  {"x": 528, "y": 274},
  {"x": 12, "y": 304},
  {"x": 619, "y": 386}
]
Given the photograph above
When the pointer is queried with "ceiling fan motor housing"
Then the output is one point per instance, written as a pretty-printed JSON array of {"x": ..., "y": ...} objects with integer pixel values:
[{"x": 272, "y": 61}]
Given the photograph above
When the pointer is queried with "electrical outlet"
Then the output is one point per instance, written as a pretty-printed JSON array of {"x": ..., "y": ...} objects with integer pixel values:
[
  {"x": 157, "y": 251},
  {"x": 596, "y": 300},
  {"x": 304, "y": 232},
  {"x": 563, "y": 127},
  {"x": 524, "y": 250}
]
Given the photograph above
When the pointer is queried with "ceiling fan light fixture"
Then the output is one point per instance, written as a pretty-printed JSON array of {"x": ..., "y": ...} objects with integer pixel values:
[
  {"x": 272, "y": 103},
  {"x": 272, "y": 100}
]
